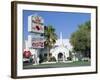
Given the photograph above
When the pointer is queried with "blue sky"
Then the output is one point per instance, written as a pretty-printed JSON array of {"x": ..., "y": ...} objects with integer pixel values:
[{"x": 65, "y": 22}]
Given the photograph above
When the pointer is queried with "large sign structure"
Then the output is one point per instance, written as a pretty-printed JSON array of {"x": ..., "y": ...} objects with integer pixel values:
[
  {"x": 36, "y": 42},
  {"x": 36, "y": 27},
  {"x": 35, "y": 24}
]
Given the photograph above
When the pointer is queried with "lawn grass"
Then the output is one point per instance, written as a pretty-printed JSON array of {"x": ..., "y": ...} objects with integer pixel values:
[{"x": 56, "y": 65}]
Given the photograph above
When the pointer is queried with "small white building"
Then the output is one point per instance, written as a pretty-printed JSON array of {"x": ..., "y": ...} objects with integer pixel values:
[{"x": 61, "y": 49}]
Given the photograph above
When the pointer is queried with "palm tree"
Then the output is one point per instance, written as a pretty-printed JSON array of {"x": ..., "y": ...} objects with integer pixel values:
[{"x": 50, "y": 38}]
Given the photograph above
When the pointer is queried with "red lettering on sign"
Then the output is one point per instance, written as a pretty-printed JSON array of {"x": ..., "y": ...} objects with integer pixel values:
[{"x": 38, "y": 44}]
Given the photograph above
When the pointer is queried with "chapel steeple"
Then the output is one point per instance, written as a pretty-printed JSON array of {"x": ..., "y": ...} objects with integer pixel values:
[{"x": 61, "y": 40}]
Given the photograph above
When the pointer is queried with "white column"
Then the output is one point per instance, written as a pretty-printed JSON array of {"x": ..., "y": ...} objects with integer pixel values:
[
  {"x": 29, "y": 23},
  {"x": 56, "y": 57},
  {"x": 29, "y": 41},
  {"x": 26, "y": 45},
  {"x": 61, "y": 41},
  {"x": 36, "y": 57},
  {"x": 63, "y": 57}
]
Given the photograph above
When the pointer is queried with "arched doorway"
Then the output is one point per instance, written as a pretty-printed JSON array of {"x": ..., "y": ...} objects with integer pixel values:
[{"x": 60, "y": 56}]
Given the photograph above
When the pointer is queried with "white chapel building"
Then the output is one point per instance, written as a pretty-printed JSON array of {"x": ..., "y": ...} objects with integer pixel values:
[{"x": 61, "y": 49}]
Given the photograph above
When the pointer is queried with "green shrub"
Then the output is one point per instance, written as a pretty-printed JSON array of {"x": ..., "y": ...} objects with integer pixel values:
[
  {"x": 69, "y": 58},
  {"x": 52, "y": 59}
]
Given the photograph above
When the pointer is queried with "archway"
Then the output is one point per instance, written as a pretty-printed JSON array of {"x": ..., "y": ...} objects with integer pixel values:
[{"x": 60, "y": 56}]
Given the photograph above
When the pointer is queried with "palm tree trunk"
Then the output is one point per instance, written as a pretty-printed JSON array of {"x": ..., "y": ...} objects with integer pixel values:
[{"x": 48, "y": 51}]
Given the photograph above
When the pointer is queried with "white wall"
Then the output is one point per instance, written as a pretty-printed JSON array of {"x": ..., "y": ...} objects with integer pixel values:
[{"x": 5, "y": 41}]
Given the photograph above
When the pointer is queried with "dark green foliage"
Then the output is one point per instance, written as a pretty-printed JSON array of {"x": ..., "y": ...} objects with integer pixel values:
[
  {"x": 52, "y": 59},
  {"x": 50, "y": 38},
  {"x": 69, "y": 58},
  {"x": 81, "y": 39},
  {"x": 70, "y": 55},
  {"x": 41, "y": 58}
]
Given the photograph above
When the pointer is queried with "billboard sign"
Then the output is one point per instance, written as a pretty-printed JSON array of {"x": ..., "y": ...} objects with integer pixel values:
[
  {"x": 36, "y": 41},
  {"x": 35, "y": 24}
]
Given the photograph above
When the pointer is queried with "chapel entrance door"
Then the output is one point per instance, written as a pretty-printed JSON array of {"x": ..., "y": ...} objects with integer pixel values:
[{"x": 60, "y": 56}]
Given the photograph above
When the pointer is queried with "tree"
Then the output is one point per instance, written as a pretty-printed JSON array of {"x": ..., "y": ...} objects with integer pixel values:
[
  {"x": 81, "y": 39},
  {"x": 50, "y": 38}
]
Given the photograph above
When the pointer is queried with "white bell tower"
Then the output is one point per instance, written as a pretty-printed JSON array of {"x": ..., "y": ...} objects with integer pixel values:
[{"x": 61, "y": 40}]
